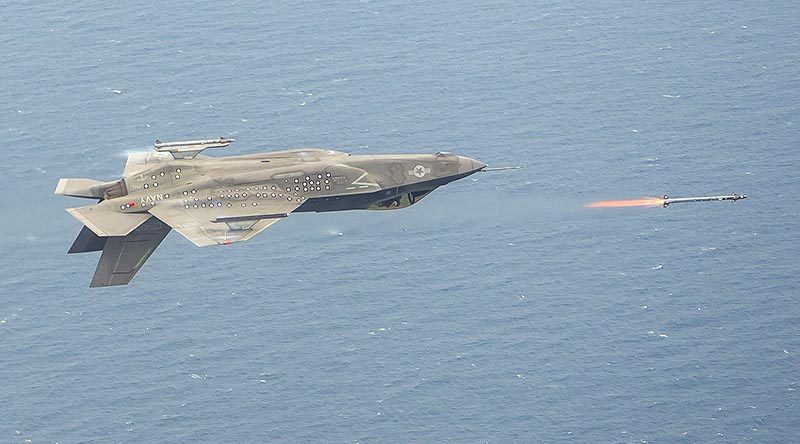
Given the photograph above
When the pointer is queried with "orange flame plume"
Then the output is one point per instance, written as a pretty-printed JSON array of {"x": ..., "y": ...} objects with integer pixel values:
[{"x": 644, "y": 202}]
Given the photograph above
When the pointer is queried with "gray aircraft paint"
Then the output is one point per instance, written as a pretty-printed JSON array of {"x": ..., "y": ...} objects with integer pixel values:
[{"x": 224, "y": 200}]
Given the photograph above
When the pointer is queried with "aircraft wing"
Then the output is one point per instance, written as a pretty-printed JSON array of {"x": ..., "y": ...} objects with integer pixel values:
[{"x": 214, "y": 225}]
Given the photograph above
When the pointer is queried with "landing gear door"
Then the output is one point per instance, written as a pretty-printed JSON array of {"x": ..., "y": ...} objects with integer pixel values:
[{"x": 402, "y": 201}]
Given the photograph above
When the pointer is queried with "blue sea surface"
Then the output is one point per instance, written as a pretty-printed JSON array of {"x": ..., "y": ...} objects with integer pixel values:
[{"x": 498, "y": 309}]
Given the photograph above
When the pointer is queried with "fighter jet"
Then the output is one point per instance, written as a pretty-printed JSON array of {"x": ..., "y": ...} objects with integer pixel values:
[{"x": 224, "y": 200}]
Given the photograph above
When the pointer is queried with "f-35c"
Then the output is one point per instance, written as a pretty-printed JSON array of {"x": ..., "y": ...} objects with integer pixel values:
[{"x": 223, "y": 200}]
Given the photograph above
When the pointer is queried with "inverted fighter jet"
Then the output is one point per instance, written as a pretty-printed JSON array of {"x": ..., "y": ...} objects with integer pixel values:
[{"x": 224, "y": 200}]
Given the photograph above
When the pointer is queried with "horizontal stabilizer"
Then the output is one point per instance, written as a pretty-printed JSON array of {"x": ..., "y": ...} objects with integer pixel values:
[
  {"x": 79, "y": 188},
  {"x": 87, "y": 241},
  {"x": 123, "y": 256},
  {"x": 90, "y": 188},
  {"x": 104, "y": 220}
]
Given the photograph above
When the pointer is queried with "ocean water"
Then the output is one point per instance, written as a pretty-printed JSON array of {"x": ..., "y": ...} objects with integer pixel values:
[{"x": 496, "y": 310}]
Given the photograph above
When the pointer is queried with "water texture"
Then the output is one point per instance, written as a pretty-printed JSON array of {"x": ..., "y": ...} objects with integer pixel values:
[{"x": 496, "y": 310}]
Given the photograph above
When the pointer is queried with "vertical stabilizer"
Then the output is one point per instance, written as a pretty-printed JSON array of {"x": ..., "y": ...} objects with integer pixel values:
[
  {"x": 87, "y": 241},
  {"x": 123, "y": 256},
  {"x": 140, "y": 161}
]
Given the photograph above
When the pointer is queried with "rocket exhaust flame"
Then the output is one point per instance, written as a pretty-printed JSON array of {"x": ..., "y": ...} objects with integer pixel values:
[{"x": 643, "y": 202}]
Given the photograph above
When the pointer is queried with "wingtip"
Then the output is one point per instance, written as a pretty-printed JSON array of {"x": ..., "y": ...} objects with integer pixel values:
[{"x": 61, "y": 186}]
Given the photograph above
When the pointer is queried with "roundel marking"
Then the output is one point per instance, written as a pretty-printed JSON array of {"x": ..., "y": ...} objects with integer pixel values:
[{"x": 419, "y": 171}]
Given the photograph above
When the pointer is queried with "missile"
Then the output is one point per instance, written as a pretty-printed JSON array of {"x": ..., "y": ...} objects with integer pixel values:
[
  {"x": 188, "y": 149},
  {"x": 671, "y": 200}
]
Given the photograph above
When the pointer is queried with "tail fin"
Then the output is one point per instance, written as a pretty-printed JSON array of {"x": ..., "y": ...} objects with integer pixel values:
[
  {"x": 123, "y": 256},
  {"x": 92, "y": 189},
  {"x": 87, "y": 241}
]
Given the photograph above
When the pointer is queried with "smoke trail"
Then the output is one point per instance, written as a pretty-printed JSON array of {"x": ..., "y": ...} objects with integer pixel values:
[{"x": 643, "y": 202}]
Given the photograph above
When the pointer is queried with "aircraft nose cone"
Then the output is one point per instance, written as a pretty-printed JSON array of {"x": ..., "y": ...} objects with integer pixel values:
[{"x": 467, "y": 165}]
